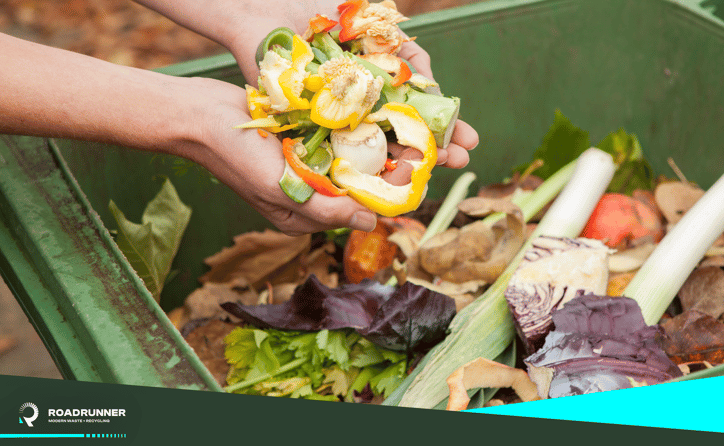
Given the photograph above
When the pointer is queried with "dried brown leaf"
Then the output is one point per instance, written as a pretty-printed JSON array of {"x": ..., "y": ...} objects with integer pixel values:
[
  {"x": 478, "y": 207},
  {"x": 205, "y": 302},
  {"x": 704, "y": 291},
  {"x": 712, "y": 261},
  {"x": 674, "y": 198},
  {"x": 258, "y": 257},
  {"x": 320, "y": 262},
  {"x": 694, "y": 336},
  {"x": 476, "y": 251},
  {"x": 208, "y": 343}
]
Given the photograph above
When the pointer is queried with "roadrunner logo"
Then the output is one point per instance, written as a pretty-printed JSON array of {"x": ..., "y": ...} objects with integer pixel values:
[{"x": 28, "y": 420}]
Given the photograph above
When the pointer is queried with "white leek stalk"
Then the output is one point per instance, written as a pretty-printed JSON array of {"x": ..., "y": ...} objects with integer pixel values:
[
  {"x": 485, "y": 327},
  {"x": 667, "y": 268}
]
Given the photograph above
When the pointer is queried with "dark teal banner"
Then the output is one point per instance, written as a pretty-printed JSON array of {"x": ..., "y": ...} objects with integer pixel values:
[{"x": 43, "y": 412}]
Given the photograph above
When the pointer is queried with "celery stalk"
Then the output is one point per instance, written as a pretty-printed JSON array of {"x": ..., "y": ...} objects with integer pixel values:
[
  {"x": 667, "y": 268},
  {"x": 485, "y": 328}
]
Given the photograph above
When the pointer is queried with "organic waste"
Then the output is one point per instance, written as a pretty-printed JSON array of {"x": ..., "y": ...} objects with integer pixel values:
[
  {"x": 380, "y": 318},
  {"x": 335, "y": 97}
]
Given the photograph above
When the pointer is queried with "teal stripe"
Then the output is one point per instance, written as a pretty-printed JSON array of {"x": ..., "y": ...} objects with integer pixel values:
[
  {"x": 642, "y": 406},
  {"x": 42, "y": 435}
]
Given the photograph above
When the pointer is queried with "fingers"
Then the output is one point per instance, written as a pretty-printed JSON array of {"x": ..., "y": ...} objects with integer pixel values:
[
  {"x": 321, "y": 213},
  {"x": 465, "y": 135},
  {"x": 455, "y": 156},
  {"x": 417, "y": 56}
]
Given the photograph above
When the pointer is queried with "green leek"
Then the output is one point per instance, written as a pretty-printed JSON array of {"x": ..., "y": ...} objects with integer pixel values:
[{"x": 485, "y": 328}]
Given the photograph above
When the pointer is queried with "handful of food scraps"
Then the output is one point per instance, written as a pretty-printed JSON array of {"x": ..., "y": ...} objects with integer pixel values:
[{"x": 335, "y": 97}]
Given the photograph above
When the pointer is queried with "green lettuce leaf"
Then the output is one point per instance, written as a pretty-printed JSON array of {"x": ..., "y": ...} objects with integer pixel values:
[
  {"x": 564, "y": 142},
  {"x": 151, "y": 246},
  {"x": 633, "y": 172}
]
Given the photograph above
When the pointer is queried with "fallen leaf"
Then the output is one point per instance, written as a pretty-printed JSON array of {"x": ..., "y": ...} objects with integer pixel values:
[
  {"x": 151, "y": 246},
  {"x": 674, "y": 198},
  {"x": 484, "y": 373},
  {"x": 463, "y": 293},
  {"x": 712, "y": 261},
  {"x": 258, "y": 257},
  {"x": 205, "y": 302},
  {"x": 704, "y": 291},
  {"x": 207, "y": 341},
  {"x": 320, "y": 263},
  {"x": 694, "y": 336},
  {"x": 476, "y": 251}
]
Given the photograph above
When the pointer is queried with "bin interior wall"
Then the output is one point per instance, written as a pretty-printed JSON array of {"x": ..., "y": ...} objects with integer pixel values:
[{"x": 650, "y": 67}]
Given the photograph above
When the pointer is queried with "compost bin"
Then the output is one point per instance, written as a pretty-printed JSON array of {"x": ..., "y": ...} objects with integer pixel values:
[{"x": 653, "y": 67}]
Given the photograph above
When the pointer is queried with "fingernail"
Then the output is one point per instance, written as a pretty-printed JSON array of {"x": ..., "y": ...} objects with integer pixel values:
[{"x": 364, "y": 221}]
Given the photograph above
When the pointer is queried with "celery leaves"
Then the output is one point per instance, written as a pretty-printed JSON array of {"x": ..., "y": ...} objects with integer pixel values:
[{"x": 326, "y": 365}]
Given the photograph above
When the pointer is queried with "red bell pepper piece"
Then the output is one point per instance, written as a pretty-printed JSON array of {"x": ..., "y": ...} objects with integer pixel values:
[
  {"x": 402, "y": 76},
  {"x": 320, "y": 183},
  {"x": 321, "y": 24},
  {"x": 348, "y": 10}
]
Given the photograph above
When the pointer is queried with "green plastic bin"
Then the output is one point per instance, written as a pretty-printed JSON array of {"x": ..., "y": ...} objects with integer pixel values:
[{"x": 653, "y": 67}]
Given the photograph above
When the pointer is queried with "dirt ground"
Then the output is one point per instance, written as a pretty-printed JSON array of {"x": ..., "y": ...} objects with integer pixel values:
[{"x": 121, "y": 32}]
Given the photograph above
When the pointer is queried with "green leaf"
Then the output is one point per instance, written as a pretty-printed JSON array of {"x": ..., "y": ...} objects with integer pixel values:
[
  {"x": 563, "y": 143},
  {"x": 240, "y": 347},
  {"x": 335, "y": 347},
  {"x": 389, "y": 379},
  {"x": 151, "y": 246},
  {"x": 633, "y": 172},
  {"x": 364, "y": 354}
]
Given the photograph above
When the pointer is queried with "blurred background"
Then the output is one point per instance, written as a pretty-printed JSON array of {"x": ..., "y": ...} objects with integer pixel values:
[{"x": 124, "y": 33}]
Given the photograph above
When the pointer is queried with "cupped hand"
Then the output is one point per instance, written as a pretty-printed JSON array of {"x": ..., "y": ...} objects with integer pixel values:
[
  {"x": 296, "y": 15},
  {"x": 252, "y": 165}
]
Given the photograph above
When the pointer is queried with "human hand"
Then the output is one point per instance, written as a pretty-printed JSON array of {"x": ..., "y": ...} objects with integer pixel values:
[
  {"x": 258, "y": 22},
  {"x": 252, "y": 165}
]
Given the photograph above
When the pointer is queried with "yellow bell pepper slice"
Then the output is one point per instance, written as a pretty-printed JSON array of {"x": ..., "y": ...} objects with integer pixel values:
[
  {"x": 258, "y": 103},
  {"x": 292, "y": 79},
  {"x": 259, "y": 106},
  {"x": 375, "y": 193},
  {"x": 348, "y": 93}
]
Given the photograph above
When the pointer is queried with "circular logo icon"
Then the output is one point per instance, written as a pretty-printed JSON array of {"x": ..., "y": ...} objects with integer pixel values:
[{"x": 29, "y": 420}]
